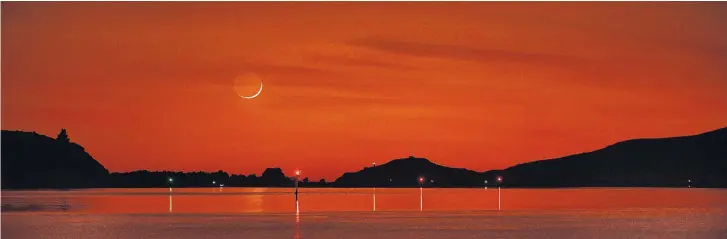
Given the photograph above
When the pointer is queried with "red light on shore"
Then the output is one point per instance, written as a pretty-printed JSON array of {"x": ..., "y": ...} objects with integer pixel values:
[
  {"x": 499, "y": 179},
  {"x": 421, "y": 179}
]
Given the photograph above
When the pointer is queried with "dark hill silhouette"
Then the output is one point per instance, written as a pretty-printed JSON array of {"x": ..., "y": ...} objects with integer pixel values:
[
  {"x": 660, "y": 162},
  {"x": 31, "y": 160},
  {"x": 640, "y": 162},
  {"x": 406, "y": 172},
  {"x": 34, "y": 161},
  {"x": 271, "y": 177}
]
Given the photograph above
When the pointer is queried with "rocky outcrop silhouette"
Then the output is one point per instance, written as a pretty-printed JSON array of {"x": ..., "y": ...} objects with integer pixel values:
[
  {"x": 31, "y": 160},
  {"x": 406, "y": 172}
]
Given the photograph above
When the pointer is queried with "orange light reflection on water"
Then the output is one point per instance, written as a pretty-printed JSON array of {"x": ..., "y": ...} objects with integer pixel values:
[{"x": 282, "y": 200}]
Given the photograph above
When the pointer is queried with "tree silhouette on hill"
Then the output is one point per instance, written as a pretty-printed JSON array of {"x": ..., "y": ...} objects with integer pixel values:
[{"x": 63, "y": 136}]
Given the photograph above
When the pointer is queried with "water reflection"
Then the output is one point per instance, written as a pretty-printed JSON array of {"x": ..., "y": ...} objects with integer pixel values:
[
  {"x": 277, "y": 200},
  {"x": 374, "y": 199},
  {"x": 498, "y": 198},
  {"x": 297, "y": 217},
  {"x": 346, "y": 213},
  {"x": 297, "y": 223},
  {"x": 65, "y": 206},
  {"x": 421, "y": 199},
  {"x": 253, "y": 203}
]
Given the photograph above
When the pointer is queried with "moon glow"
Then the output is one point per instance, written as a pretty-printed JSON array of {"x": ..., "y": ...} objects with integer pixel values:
[{"x": 246, "y": 84}]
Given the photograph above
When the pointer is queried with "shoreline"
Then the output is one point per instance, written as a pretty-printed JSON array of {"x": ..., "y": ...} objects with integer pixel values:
[{"x": 341, "y": 187}]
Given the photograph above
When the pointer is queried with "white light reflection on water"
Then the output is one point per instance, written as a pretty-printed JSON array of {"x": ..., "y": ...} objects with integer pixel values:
[{"x": 346, "y": 213}]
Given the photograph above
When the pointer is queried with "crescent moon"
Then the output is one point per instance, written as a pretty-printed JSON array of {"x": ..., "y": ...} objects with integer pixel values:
[{"x": 256, "y": 94}]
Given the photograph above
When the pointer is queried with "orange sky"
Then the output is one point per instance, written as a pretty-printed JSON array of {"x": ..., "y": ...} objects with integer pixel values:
[{"x": 477, "y": 85}]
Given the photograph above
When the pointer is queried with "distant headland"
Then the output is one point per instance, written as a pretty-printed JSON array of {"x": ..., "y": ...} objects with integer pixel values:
[{"x": 34, "y": 161}]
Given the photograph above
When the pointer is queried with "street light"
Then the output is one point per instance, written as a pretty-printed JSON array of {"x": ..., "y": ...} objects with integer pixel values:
[{"x": 297, "y": 174}]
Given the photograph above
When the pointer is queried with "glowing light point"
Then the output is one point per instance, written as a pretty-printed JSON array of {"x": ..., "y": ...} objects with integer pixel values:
[
  {"x": 171, "y": 179},
  {"x": 297, "y": 172}
]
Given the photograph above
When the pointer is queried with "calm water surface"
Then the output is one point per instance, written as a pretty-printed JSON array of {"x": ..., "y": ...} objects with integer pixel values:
[{"x": 365, "y": 213}]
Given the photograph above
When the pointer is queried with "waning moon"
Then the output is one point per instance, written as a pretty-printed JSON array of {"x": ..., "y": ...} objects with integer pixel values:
[{"x": 256, "y": 94}]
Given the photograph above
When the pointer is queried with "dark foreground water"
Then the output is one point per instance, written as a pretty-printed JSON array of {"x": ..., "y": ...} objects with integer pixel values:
[{"x": 365, "y": 213}]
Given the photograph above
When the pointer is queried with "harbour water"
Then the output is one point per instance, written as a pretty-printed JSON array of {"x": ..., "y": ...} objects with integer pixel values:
[{"x": 366, "y": 213}]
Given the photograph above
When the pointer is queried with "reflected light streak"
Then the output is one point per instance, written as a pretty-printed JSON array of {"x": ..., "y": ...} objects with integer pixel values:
[
  {"x": 297, "y": 216},
  {"x": 374, "y": 199},
  {"x": 498, "y": 198},
  {"x": 297, "y": 223},
  {"x": 170, "y": 202},
  {"x": 421, "y": 194},
  {"x": 254, "y": 201},
  {"x": 499, "y": 180}
]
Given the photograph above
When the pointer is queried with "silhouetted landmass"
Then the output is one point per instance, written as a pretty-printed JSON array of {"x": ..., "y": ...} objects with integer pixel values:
[
  {"x": 144, "y": 179},
  {"x": 663, "y": 162},
  {"x": 271, "y": 177},
  {"x": 406, "y": 173},
  {"x": 30, "y": 160}
]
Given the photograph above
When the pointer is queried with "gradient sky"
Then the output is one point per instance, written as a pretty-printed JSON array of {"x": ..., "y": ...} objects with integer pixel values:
[{"x": 478, "y": 85}]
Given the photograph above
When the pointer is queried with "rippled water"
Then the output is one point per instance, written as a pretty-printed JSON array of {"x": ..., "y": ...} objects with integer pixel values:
[{"x": 365, "y": 213}]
